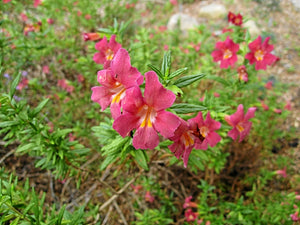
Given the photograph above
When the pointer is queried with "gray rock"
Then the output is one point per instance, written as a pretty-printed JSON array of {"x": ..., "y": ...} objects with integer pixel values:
[
  {"x": 182, "y": 21},
  {"x": 296, "y": 3},
  {"x": 213, "y": 11},
  {"x": 253, "y": 29}
]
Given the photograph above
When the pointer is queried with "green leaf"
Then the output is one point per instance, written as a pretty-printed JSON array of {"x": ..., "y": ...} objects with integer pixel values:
[
  {"x": 14, "y": 85},
  {"x": 141, "y": 158},
  {"x": 183, "y": 108},
  {"x": 166, "y": 64},
  {"x": 8, "y": 123},
  {"x": 187, "y": 80},
  {"x": 220, "y": 80},
  {"x": 26, "y": 147},
  {"x": 156, "y": 70},
  {"x": 60, "y": 215},
  {"x": 108, "y": 160},
  {"x": 40, "y": 107},
  {"x": 178, "y": 72}
]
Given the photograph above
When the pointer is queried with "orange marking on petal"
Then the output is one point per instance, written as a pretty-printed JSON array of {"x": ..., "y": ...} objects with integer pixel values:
[
  {"x": 147, "y": 120},
  {"x": 109, "y": 54},
  {"x": 240, "y": 127},
  {"x": 117, "y": 96},
  {"x": 204, "y": 131},
  {"x": 188, "y": 140},
  {"x": 259, "y": 55},
  {"x": 227, "y": 54}
]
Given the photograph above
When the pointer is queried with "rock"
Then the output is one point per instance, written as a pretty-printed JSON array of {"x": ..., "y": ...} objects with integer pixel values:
[
  {"x": 296, "y": 3},
  {"x": 213, "y": 11},
  {"x": 253, "y": 29},
  {"x": 184, "y": 21}
]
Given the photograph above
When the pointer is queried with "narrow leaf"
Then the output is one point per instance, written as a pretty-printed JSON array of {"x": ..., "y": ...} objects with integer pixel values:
[
  {"x": 14, "y": 85},
  {"x": 8, "y": 123},
  {"x": 187, "y": 80},
  {"x": 183, "y": 108},
  {"x": 141, "y": 158},
  {"x": 178, "y": 72},
  {"x": 156, "y": 70},
  {"x": 40, "y": 107}
]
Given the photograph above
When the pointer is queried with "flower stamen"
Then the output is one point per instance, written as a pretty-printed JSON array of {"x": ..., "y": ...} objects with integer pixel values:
[{"x": 227, "y": 54}]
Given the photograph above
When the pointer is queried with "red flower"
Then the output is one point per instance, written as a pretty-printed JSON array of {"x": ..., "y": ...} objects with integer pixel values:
[
  {"x": 226, "y": 53},
  {"x": 190, "y": 215},
  {"x": 91, "y": 37},
  {"x": 235, "y": 19},
  {"x": 260, "y": 53},
  {"x": 239, "y": 122},
  {"x": 269, "y": 85},
  {"x": 188, "y": 203},
  {"x": 149, "y": 197},
  {"x": 195, "y": 133},
  {"x": 281, "y": 172}
]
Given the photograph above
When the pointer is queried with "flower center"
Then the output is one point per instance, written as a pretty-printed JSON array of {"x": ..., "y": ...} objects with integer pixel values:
[
  {"x": 259, "y": 55},
  {"x": 187, "y": 139},
  {"x": 240, "y": 127},
  {"x": 109, "y": 54},
  {"x": 148, "y": 116},
  {"x": 227, "y": 54},
  {"x": 204, "y": 131},
  {"x": 119, "y": 93}
]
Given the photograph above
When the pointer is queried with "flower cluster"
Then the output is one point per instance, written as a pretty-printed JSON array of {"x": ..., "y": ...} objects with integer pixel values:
[
  {"x": 142, "y": 113},
  {"x": 260, "y": 54},
  {"x": 235, "y": 19}
]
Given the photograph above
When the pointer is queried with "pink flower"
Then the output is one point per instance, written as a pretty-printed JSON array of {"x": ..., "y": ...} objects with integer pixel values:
[
  {"x": 24, "y": 17},
  {"x": 216, "y": 94},
  {"x": 243, "y": 75},
  {"x": 50, "y": 21},
  {"x": 195, "y": 133},
  {"x": 265, "y": 107},
  {"x": 269, "y": 85},
  {"x": 147, "y": 114},
  {"x": 278, "y": 111},
  {"x": 190, "y": 215},
  {"x": 174, "y": 2},
  {"x": 288, "y": 106},
  {"x": 46, "y": 70},
  {"x": 281, "y": 172},
  {"x": 224, "y": 30},
  {"x": 136, "y": 188},
  {"x": 295, "y": 216},
  {"x": 6, "y": 1},
  {"x": 37, "y": 3},
  {"x": 51, "y": 127},
  {"x": 226, "y": 53},
  {"x": 23, "y": 84},
  {"x": 297, "y": 197},
  {"x": 239, "y": 122},
  {"x": 107, "y": 51},
  {"x": 87, "y": 16},
  {"x": 79, "y": 13},
  {"x": 64, "y": 84},
  {"x": 91, "y": 37},
  {"x": 149, "y": 197},
  {"x": 260, "y": 54},
  {"x": 115, "y": 81},
  {"x": 80, "y": 78},
  {"x": 188, "y": 203}
]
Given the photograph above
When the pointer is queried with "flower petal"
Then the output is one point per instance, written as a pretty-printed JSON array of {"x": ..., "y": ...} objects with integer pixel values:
[
  {"x": 101, "y": 95},
  {"x": 166, "y": 123},
  {"x": 133, "y": 100},
  {"x": 155, "y": 94},
  {"x": 234, "y": 133},
  {"x": 213, "y": 138},
  {"x": 125, "y": 123},
  {"x": 145, "y": 138},
  {"x": 250, "y": 113}
]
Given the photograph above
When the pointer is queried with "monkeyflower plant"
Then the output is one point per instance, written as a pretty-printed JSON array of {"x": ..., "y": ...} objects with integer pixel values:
[
  {"x": 225, "y": 52},
  {"x": 260, "y": 53},
  {"x": 240, "y": 122},
  {"x": 141, "y": 112}
]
